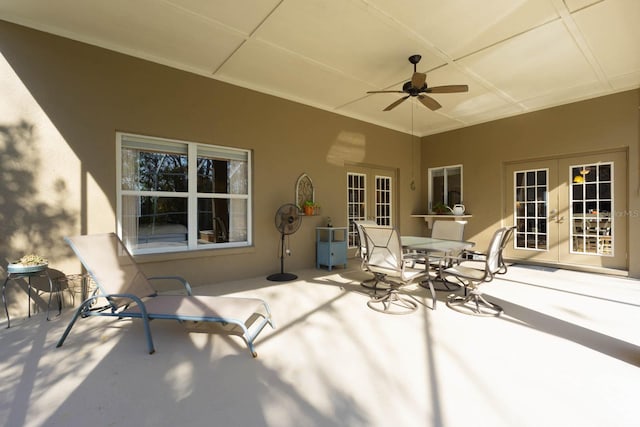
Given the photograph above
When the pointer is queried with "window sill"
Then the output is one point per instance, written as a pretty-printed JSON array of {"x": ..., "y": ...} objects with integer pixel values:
[{"x": 202, "y": 253}]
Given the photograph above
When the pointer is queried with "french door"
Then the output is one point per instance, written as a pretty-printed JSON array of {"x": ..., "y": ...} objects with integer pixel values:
[
  {"x": 370, "y": 196},
  {"x": 569, "y": 210}
]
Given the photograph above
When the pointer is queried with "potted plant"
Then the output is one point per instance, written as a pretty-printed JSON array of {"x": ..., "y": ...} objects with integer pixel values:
[
  {"x": 441, "y": 209},
  {"x": 28, "y": 264},
  {"x": 309, "y": 207}
]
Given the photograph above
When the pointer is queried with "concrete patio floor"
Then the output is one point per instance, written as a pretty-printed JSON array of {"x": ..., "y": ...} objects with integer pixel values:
[{"x": 566, "y": 352}]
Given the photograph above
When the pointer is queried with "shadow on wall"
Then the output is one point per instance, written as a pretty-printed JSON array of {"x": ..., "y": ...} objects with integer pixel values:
[{"x": 31, "y": 221}]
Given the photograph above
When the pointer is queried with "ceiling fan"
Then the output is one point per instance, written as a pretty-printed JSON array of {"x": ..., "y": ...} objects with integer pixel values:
[{"x": 417, "y": 87}]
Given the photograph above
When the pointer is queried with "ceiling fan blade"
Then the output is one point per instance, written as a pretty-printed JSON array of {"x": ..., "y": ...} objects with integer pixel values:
[
  {"x": 396, "y": 103},
  {"x": 448, "y": 89},
  {"x": 418, "y": 79},
  {"x": 385, "y": 91},
  {"x": 429, "y": 102}
]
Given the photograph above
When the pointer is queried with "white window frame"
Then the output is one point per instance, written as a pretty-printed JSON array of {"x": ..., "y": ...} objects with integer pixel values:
[
  {"x": 444, "y": 169},
  {"x": 192, "y": 194}
]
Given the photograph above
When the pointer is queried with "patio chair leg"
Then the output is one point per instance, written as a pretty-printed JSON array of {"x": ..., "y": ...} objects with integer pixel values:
[
  {"x": 373, "y": 283},
  {"x": 76, "y": 314},
  {"x": 392, "y": 299},
  {"x": 369, "y": 283},
  {"x": 429, "y": 284},
  {"x": 474, "y": 304},
  {"x": 147, "y": 332},
  {"x": 81, "y": 309},
  {"x": 252, "y": 348}
]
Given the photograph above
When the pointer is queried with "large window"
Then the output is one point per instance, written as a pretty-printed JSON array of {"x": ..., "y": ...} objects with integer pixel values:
[
  {"x": 445, "y": 186},
  {"x": 178, "y": 196}
]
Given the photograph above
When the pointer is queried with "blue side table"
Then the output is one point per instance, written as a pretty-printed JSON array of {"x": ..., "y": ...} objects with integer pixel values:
[
  {"x": 15, "y": 271},
  {"x": 331, "y": 246}
]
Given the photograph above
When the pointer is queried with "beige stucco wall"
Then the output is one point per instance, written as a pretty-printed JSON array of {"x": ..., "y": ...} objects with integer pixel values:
[
  {"x": 606, "y": 123},
  {"x": 62, "y": 103}
]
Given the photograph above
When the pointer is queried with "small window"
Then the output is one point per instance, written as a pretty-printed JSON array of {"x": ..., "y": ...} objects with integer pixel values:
[
  {"x": 179, "y": 196},
  {"x": 445, "y": 186}
]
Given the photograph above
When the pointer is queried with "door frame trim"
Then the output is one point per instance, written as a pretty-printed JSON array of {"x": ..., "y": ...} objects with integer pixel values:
[{"x": 395, "y": 186}]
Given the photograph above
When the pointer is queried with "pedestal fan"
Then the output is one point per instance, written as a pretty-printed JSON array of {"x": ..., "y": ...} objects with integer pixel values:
[{"x": 288, "y": 221}]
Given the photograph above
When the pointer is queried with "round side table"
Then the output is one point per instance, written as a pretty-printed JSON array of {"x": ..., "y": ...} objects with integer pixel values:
[{"x": 15, "y": 271}]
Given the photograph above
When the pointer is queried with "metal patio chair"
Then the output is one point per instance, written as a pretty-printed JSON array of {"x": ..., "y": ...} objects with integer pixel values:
[
  {"x": 472, "y": 275},
  {"x": 475, "y": 255},
  {"x": 446, "y": 230},
  {"x": 386, "y": 260},
  {"x": 362, "y": 251}
]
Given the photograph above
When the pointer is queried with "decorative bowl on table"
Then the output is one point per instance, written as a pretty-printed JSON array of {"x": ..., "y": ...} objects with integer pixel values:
[{"x": 28, "y": 264}]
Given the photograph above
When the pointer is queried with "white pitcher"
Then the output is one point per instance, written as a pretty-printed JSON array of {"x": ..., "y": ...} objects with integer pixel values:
[{"x": 458, "y": 209}]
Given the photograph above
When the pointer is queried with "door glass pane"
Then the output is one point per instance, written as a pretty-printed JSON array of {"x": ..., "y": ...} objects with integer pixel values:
[
  {"x": 591, "y": 206},
  {"x": 542, "y": 177},
  {"x": 577, "y": 192},
  {"x": 589, "y": 173},
  {"x": 531, "y": 209},
  {"x": 531, "y": 178},
  {"x": 604, "y": 172}
]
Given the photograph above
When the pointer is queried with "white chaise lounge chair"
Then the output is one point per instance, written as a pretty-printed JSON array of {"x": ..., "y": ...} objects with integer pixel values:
[{"x": 129, "y": 293}]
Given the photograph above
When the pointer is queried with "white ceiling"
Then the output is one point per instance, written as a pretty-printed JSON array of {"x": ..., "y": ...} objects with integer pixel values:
[{"x": 516, "y": 55}]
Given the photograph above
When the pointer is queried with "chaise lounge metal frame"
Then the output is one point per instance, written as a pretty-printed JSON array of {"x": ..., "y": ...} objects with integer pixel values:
[{"x": 129, "y": 294}]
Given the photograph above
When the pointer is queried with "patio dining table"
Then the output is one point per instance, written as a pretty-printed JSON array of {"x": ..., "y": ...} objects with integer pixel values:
[{"x": 432, "y": 245}]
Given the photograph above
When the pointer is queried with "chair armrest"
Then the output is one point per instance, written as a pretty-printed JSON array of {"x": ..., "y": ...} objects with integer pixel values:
[{"x": 182, "y": 280}]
